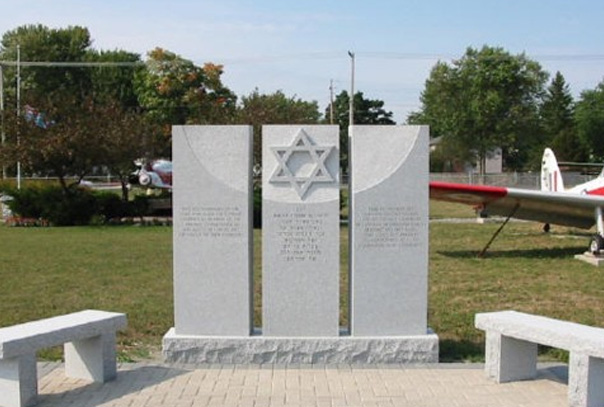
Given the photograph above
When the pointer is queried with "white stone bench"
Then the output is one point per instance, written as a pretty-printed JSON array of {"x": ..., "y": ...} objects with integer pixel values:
[
  {"x": 511, "y": 351},
  {"x": 89, "y": 338}
]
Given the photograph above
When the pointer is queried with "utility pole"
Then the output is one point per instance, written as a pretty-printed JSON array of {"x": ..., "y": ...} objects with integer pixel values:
[
  {"x": 351, "y": 101},
  {"x": 2, "y": 116},
  {"x": 351, "y": 220},
  {"x": 18, "y": 111},
  {"x": 331, "y": 101}
]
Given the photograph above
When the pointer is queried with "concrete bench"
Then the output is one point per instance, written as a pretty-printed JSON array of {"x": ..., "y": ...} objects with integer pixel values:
[
  {"x": 511, "y": 351},
  {"x": 89, "y": 338}
]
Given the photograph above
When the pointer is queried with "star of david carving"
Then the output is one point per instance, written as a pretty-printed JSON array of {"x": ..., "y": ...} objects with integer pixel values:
[{"x": 284, "y": 172}]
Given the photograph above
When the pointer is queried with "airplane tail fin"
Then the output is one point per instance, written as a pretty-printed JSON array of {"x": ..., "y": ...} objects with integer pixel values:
[{"x": 551, "y": 177}]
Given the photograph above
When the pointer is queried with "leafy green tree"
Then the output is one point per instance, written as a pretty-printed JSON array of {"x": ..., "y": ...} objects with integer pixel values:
[
  {"x": 366, "y": 111},
  {"x": 123, "y": 137},
  {"x": 589, "y": 117},
  {"x": 63, "y": 142},
  {"x": 276, "y": 108},
  {"x": 557, "y": 116},
  {"x": 39, "y": 43},
  {"x": 114, "y": 81},
  {"x": 66, "y": 138},
  {"x": 486, "y": 99}
]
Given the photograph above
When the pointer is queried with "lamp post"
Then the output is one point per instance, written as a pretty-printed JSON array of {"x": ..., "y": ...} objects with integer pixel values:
[
  {"x": 2, "y": 116},
  {"x": 351, "y": 101},
  {"x": 350, "y": 201},
  {"x": 18, "y": 111}
]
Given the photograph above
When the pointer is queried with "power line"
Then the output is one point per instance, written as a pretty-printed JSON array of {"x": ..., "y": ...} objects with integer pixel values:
[
  {"x": 428, "y": 56},
  {"x": 71, "y": 64},
  {"x": 409, "y": 56}
]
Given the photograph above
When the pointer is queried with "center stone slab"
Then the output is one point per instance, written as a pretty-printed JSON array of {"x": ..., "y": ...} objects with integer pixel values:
[{"x": 300, "y": 234}]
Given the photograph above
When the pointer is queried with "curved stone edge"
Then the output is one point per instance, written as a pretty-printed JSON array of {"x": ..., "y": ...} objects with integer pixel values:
[{"x": 321, "y": 350}]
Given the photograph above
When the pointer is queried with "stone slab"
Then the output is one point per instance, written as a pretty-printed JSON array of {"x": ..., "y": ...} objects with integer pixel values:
[
  {"x": 27, "y": 338},
  {"x": 300, "y": 350},
  {"x": 585, "y": 378},
  {"x": 509, "y": 359},
  {"x": 389, "y": 233},
  {"x": 300, "y": 232},
  {"x": 18, "y": 381},
  {"x": 92, "y": 358},
  {"x": 590, "y": 258},
  {"x": 571, "y": 336},
  {"x": 212, "y": 229}
]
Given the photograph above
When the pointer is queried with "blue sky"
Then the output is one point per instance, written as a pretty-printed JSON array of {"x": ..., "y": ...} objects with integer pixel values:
[{"x": 299, "y": 46}]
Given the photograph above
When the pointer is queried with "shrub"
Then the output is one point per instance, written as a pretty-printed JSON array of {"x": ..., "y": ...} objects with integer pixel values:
[
  {"x": 257, "y": 205},
  {"x": 111, "y": 206},
  {"x": 26, "y": 202},
  {"x": 61, "y": 208},
  {"x": 77, "y": 206},
  {"x": 52, "y": 203}
]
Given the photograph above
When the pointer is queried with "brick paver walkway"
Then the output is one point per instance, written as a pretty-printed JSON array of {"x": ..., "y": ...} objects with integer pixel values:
[{"x": 154, "y": 384}]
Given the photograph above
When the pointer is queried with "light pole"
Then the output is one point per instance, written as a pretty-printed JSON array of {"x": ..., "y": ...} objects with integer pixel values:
[
  {"x": 18, "y": 111},
  {"x": 2, "y": 116},
  {"x": 350, "y": 200},
  {"x": 351, "y": 101}
]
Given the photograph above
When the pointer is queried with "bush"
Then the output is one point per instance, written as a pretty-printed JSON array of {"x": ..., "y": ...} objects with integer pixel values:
[
  {"x": 111, "y": 206},
  {"x": 76, "y": 206},
  {"x": 26, "y": 202},
  {"x": 257, "y": 205},
  {"x": 138, "y": 207}
]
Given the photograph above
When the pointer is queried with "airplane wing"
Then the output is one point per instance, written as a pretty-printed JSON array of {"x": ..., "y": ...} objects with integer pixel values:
[{"x": 559, "y": 208}]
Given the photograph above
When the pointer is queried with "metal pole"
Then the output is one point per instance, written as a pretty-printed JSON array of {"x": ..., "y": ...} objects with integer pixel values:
[
  {"x": 18, "y": 111},
  {"x": 331, "y": 101},
  {"x": 351, "y": 101},
  {"x": 351, "y": 211},
  {"x": 2, "y": 117}
]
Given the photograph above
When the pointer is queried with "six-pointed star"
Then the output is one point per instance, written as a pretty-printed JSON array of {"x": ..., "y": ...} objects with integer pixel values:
[{"x": 318, "y": 154}]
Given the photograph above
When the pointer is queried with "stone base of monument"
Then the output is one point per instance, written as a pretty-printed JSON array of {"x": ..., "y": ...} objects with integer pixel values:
[
  {"x": 595, "y": 260},
  {"x": 300, "y": 350}
]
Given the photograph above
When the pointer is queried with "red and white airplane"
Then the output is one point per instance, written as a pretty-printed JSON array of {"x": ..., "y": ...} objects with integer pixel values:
[
  {"x": 152, "y": 174},
  {"x": 580, "y": 206}
]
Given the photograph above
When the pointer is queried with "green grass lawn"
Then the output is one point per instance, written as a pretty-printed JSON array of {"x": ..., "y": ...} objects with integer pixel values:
[{"x": 51, "y": 271}]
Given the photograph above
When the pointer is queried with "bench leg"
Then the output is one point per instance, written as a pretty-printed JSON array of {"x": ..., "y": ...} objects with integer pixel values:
[
  {"x": 92, "y": 358},
  {"x": 585, "y": 381},
  {"x": 18, "y": 381},
  {"x": 509, "y": 359}
]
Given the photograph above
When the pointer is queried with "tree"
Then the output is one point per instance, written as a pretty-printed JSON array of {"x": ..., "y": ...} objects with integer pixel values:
[
  {"x": 166, "y": 85},
  {"x": 67, "y": 138},
  {"x": 39, "y": 43},
  {"x": 557, "y": 116},
  {"x": 589, "y": 117},
  {"x": 60, "y": 138},
  {"x": 486, "y": 99},
  {"x": 217, "y": 103},
  {"x": 258, "y": 109},
  {"x": 123, "y": 137},
  {"x": 366, "y": 111},
  {"x": 173, "y": 90},
  {"x": 114, "y": 82}
]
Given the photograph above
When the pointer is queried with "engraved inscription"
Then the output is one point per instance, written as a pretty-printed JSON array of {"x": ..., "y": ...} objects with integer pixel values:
[
  {"x": 210, "y": 222},
  {"x": 301, "y": 235},
  {"x": 389, "y": 227}
]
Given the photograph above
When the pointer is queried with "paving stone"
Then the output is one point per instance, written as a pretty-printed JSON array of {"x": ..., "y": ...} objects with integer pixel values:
[{"x": 152, "y": 384}]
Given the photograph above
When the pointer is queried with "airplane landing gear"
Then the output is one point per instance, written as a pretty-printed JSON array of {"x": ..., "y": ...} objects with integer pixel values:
[{"x": 597, "y": 244}]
